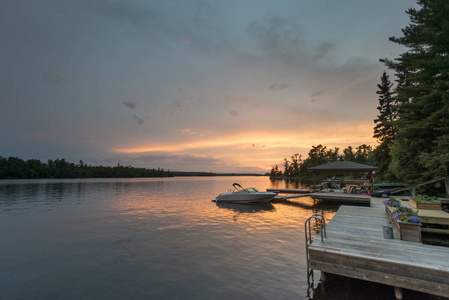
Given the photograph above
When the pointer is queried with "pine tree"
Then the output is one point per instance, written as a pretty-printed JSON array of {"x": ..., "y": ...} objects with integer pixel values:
[
  {"x": 384, "y": 131},
  {"x": 421, "y": 143}
]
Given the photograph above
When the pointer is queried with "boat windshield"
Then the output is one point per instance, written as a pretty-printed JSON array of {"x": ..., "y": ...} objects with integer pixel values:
[{"x": 248, "y": 190}]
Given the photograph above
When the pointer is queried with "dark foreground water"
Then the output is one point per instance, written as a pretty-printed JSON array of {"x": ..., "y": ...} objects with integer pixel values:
[{"x": 156, "y": 239}]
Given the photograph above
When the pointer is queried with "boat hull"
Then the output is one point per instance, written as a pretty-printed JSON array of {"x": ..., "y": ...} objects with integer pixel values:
[{"x": 245, "y": 198}]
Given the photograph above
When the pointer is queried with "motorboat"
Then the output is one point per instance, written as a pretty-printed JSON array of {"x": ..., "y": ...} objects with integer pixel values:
[{"x": 244, "y": 195}]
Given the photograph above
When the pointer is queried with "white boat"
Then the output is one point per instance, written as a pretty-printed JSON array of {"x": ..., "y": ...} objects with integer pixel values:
[{"x": 241, "y": 195}]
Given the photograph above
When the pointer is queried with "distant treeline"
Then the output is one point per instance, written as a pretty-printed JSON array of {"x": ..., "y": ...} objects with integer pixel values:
[{"x": 16, "y": 168}]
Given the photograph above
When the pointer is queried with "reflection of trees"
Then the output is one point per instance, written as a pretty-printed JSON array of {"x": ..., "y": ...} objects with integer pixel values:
[{"x": 288, "y": 183}]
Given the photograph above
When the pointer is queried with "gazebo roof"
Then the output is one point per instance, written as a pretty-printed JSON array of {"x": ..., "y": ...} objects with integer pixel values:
[{"x": 342, "y": 166}]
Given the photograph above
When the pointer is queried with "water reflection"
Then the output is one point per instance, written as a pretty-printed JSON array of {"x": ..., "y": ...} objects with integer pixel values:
[
  {"x": 247, "y": 207},
  {"x": 165, "y": 234}
]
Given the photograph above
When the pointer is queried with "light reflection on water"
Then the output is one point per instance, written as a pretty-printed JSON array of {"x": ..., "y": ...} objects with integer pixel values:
[{"x": 150, "y": 239}]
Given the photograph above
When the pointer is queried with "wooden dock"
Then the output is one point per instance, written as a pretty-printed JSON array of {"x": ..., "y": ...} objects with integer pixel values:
[
  {"x": 290, "y": 191},
  {"x": 341, "y": 197},
  {"x": 328, "y": 196},
  {"x": 355, "y": 247}
]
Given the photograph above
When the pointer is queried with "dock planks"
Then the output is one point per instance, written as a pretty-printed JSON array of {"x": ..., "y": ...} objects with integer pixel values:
[
  {"x": 290, "y": 191},
  {"x": 355, "y": 248},
  {"x": 328, "y": 196},
  {"x": 341, "y": 197}
]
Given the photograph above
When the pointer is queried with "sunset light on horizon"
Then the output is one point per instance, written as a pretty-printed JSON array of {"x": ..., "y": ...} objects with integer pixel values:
[{"x": 213, "y": 86}]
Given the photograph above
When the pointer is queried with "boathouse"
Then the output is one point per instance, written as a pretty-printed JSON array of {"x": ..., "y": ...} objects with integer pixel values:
[{"x": 343, "y": 167}]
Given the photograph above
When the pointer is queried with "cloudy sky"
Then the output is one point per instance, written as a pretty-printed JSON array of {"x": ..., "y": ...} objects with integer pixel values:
[{"x": 222, "y": 86}]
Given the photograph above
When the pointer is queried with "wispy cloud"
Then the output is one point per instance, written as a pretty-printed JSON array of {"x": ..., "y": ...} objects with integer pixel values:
[
  {"x": 139, "y": 120},
  {"x": 188, "y": 131},
  {"x": 131, "y": 105},
  {"x": 278, "y": 87},
  {"x": 256, "y": 146},
  {"x": 181, "y": 104},
  {"x": 342, "y": 88}
]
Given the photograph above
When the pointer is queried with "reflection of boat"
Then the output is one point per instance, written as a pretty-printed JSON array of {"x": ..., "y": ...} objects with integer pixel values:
[
  {"x": 246, "y": 207},
  {"x": 241, "y": 195}
]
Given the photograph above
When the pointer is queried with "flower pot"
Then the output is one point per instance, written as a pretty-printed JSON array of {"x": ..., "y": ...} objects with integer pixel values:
[
  {"x": 404, "y": 230},
  {"x": 425, "y": 205}
]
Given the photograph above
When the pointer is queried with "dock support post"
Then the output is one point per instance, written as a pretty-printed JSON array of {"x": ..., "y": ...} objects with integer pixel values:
[
  {"x": 398, "y": 293},
  {"x": 446, "y": 183}
]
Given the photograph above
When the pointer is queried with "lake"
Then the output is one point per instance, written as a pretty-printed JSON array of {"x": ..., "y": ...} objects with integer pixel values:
[{"x": 152, "y": 238}]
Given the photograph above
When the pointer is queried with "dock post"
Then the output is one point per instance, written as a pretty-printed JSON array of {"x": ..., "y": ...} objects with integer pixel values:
[
  {"x": 446, "y": 183},
  {"x": 398, "y": 293}
]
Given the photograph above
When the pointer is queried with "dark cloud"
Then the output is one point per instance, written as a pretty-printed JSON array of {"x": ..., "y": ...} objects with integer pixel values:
[
  {"x": 324, "y": 49},
  {"x": 157, "y": 21},
  {"x": 282, "y": 39},
  {"x": 140, "y": 17},
  {"x": 317, "y": 93},
  {"x": 139, "y": 120},
  {"x": 256, "y": 146},
  {"x": 182, "y": 104},
  {"x": 276, "y": 34},
  {"x": 234, "y": 113},
  {"x": 131, "y": 105},
  {"x": 278, "y": 87},
  {"x": 181, "y": 89}
]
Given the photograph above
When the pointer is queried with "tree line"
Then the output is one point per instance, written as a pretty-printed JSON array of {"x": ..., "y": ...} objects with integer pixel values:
[
  {"x": 412, "y": 127},
  {"x": 15, "y": 168},
  {"x": 319, "y": 155}
]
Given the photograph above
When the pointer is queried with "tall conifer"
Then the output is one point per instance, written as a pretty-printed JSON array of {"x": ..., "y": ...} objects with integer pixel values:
[
  {"x": 421, "y": 147},
  {"x": 384, "y": 130}
]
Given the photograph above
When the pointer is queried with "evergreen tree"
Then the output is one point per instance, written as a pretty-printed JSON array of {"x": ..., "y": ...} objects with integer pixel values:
[
  {"x": 296, "y": 160},
  {"x": 363, "y": 154},
  {"x": 421, "y": 144},
  {"x": 384, "y": 130}
]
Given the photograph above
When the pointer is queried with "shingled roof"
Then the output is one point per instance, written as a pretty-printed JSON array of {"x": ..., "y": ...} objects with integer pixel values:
[{"x": 342, "y": 166}]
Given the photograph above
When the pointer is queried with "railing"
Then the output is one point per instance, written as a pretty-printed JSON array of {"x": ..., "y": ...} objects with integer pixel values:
[{"x": 320, "y": 223}]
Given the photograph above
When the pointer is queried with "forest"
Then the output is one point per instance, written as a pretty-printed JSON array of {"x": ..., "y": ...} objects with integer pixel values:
[
  {"x": 412, "y": 126},
  {"x": 14, "y": 168}
]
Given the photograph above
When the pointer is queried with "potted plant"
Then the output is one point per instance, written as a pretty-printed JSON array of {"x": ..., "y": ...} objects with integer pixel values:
[
  {"x": 392, "y": 203},
  {"x": 406, "y": 223},
  {"x": 425, "y": 202}
]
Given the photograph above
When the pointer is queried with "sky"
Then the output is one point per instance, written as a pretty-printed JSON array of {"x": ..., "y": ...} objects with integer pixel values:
[{"x": 191, "y": 85}]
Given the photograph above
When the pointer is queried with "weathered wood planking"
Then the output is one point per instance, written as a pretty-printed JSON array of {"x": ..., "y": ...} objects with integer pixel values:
[
  {"x": 290, "y": 191},
  {"x": 334, "y": 196},
  {"x": 355, "y": 248}
]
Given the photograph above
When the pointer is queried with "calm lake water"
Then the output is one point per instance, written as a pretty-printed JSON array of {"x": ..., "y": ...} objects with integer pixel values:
[{"x": 152, "y": 239}]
